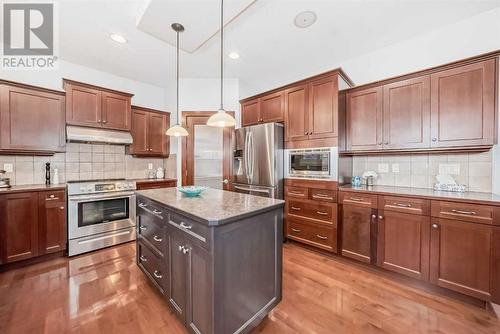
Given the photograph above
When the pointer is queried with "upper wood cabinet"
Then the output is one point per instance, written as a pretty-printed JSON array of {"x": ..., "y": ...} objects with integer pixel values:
[
  {"x": 463, "y": 105},
  {"x": 297, "y": 113},
  {"x": 446, "y": 108},
  {"x": 268, "y": 108},
  {"x": 32, "y": 120},
  {"x": 97, "y": 107},
  {"x": 364, "y": 119},
  {"x": 148, "y": 132},
  {"x": 323, "y": 108}
]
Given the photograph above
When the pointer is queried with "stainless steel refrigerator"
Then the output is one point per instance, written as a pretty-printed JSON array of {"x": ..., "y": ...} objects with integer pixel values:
[{"x": 258, "y": 160}]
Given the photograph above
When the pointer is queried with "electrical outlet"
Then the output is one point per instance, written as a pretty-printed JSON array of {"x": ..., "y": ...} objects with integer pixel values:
[
  {"x": 383, "y": 168},
  {"x": 9, "y": 168},
  {"x": 150, "y": 166},
  {"x": 395, "y": 168}
]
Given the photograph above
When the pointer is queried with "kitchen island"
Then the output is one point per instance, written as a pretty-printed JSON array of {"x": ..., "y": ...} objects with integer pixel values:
[{"x": 216, "y": 258}]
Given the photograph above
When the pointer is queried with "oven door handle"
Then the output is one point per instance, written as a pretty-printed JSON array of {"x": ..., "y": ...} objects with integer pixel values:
[{"x": 86, "y": 198}]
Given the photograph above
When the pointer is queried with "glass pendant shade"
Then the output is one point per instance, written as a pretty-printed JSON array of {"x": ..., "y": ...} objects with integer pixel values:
[
  {"x": 221, "y": 119},
  {"x": 176, "y": 131}
]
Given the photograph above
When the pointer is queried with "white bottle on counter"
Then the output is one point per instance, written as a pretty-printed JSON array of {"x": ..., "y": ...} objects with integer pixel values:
[{"x": 55, "y": 179}]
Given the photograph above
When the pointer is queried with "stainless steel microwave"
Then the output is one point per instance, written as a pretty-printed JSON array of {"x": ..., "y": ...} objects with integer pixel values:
[{"x": 312, "y": 163}]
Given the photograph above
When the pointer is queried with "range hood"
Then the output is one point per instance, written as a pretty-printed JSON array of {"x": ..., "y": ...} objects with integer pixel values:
[{"x": 91, "y": 135}]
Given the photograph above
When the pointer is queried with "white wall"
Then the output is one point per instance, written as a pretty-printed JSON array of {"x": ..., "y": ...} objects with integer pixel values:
[{"x": 145, "y": 95}]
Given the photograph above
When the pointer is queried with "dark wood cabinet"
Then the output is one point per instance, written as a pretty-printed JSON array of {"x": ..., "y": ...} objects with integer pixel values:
[
  {"x": 358, "y": 228},
  {"x": 148, "y": 133},
  {"x": 297, "y": 113},
  {"x": 364, "y": 120},
  {"x": 51, "y": 222},
  {"x": 461, "y": 256},
  {"x": 250, "y": 112},
  {"x": 18, "y": 226},
  {"x": 407, "y": 114},
  {"x": 403, "y": 243},
  {"x": 268, "y": 108},
  {"x": 463, "y": 105},
  {"x": 32, "y": 120},
  {"x": 178, "y": 269},
  {"x": 156, "y": 184},
  {"x": 323, "y": 108},
  {"x": 97, "y": 107}
]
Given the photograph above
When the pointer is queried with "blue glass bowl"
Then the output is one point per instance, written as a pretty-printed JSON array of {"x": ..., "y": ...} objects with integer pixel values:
[{"x": 192, "y": 191}]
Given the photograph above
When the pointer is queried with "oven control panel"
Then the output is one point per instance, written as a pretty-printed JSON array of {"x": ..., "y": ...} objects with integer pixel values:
[
  {"x": 96, "y": 187},
  {"x": 105, "y": 187}
]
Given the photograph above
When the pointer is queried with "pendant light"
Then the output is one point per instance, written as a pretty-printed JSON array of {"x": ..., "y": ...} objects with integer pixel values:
[
  {"x": 177, "y": 130},
  {"x": 221, "y": 118}
]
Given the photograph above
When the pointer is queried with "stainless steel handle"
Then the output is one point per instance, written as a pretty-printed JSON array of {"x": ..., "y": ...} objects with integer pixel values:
[
  {"x": 143, "y": 228},
  {"x": 322, "y": 213},
  {"x": 321, "y": 237},
  {"x": 374, "y": 216},
  {"x": 322, "y": 195},
  {"x": 356, "y": 199},
  {"x": 295, "y": 208},
  {"x": 181, "y": 248},
  {"x": 245, "y": 154},
  {"x": 94, "y": 197},
  {"x": 185, "y": 250},
  {"x": 435, "y": 226},
  {"x": 380, "y": 217},
  {"x": 186, "y": 226},
  {"x": 156, "y": 211},
  {"x": 462, "y": 212},
  {"x": 296, "y": 230},
  {"x": 434, "y": 139},
  {"x": 157, "y": 274},
  {"x": 157, "y": 238},
  {"x": 98, "y": 121},
  {"x": 296, "y": 193},
  {"x": 142, "y": 205},
  {"x": 403, "y": 205},
  {"x": 225, "y": 181},
  {"x": 306, "y": 133},
  {"x": 255, "y": 190},
  {"x": 105, "y": 122},
  {"x": 252, "y": 158},
  {"x": 52, "y": 198},
  {"x": 143, "y": 258},
  {"x": 61, "y": 207}
]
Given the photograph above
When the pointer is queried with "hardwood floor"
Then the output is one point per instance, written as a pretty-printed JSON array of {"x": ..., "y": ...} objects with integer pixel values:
[{"x": 105, "y": 292}]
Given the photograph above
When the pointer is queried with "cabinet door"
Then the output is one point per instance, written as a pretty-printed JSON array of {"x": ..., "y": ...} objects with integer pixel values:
[
  {"x": 199, "y": 310},
  {"x": 250, "y": 112},
  {"x": 139, "y": 131},
  {"x": 18, "y": 226},
  {"x": 158, "y": 140},
  {"x": 272, "y": 107},
  {"x": 463, "y": 105},
  {"x": 460, "y": 256},
  {"x": 407, "y": 114},
  {"x": 115, "y": 111},
  {"x": 31, "y": 120},
  {"x": 358, "y": 236},
  {"x": 178, "y": 274},
  {"x": 403, "y": 243},
  {"x": 296, "y": 113},
  {"x": 323, "y": 108},
  {"x": 83, "y": 106},
  {"x": 51, "y": 225},
  {"x": 364, "y": 119}
]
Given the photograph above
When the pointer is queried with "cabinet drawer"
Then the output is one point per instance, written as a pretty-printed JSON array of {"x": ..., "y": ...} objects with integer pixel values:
[
  {"x": 297, "y": 192},
  {"x": 474, "y": 213},
  {"x": 319, "y": 235},
  {"x": 359, "y": 199},
  {"x": 323, "y": 195},
  {"x": 197, "y": 232},
  {"x": 56, "y": 196},
  {"x": 153, "y": 231},
  {"x": 153, "y": 265},
  {"x": 318, "y": 211},
  {"x": 414, "y": 206}
]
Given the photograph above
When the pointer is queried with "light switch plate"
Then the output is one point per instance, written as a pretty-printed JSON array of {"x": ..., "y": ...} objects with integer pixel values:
[
  {"x": 383, "y": 168},
  {"x": 9, "y": 168},
  {"x": 150, "y": 166},
  {"x": 395, "y": 168}
]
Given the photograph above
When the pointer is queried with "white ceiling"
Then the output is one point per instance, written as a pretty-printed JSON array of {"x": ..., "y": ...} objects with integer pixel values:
[{"x": 264, "y": 35}]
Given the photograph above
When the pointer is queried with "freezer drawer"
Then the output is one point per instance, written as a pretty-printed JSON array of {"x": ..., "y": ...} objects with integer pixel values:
[{"x": 272, "y": 192}]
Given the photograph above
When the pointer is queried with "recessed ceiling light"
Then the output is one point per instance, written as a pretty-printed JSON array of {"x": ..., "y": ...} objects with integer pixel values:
[
  {"x": 233, "y": 55},
  {"x": 305, "y": 19},
  {"x": 118, "y": 38}
]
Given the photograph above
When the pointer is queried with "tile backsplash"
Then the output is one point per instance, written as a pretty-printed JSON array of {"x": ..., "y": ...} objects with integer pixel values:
[
  {"x": 474, "y": 170},
  {"x": 84, "y": 162}
]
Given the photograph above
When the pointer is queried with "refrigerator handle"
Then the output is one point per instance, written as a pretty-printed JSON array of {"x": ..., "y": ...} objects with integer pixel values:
[
  {"x": 246, "y": 162},
  {"x": 252, "y": 156}
]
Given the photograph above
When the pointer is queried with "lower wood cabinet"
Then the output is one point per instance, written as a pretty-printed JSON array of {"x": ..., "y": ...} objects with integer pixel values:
[
  {"x": 31, "y": 224},
  {"x": 359, "y": 233},
  {"x": 156, "y": 184}
]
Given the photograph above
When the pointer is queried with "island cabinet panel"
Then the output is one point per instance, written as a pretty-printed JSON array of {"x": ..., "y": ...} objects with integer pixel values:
[
  {"x": 272, "y": 107},
  {"x": 154, "y": 265},
  {"x": 297, "y": 113},
  {"x": 461, "y": 256},
  {"x": 52, "y": 222},
  {"x": 403, "y": 243},
  {"x": 18, "y": 226},
  {"x": 323, "y": 108},
  {"x": 463, "y": 105},
  {"x": 250, "y": 112},
  {"x": 115, "y": 111},
  {"x": 148, "y": 133},
  {"x": 407, "y": 114},
  {"x": 31, "y": 120},
  {"x": 364, "y": 120}
]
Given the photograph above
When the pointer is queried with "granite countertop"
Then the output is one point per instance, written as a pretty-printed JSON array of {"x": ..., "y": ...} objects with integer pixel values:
[
  {"x": 151, "y": 180},
  {"x": 468, "y": 196},
  {"x": 213, "y": 206},
  {"x": 32, "y": 187}
]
